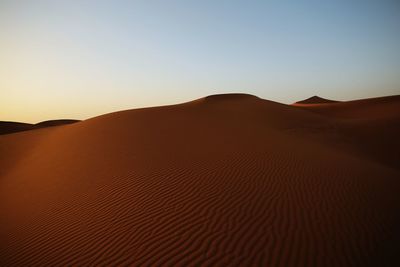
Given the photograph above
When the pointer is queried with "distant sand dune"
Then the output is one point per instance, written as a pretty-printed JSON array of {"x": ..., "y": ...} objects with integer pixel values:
[
  {"x": 371, "y": 125},
  {"x": 315, "y": 100},
  {"x": 7, "y": 127},
  {"x": 373, "y": 108},
  {"x": 12, "y": 127},
  {"x": 226, "y": 180}
]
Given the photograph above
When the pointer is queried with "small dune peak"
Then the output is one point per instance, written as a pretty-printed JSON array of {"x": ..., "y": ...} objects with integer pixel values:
[{"x": 316, "y": 100}]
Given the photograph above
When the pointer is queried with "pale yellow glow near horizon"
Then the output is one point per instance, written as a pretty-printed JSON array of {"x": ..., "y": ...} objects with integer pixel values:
[{"x": 79, "y": 59}]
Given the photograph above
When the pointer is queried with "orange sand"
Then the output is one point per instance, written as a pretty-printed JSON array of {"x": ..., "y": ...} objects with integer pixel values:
[{"x": 227, "y": 180}]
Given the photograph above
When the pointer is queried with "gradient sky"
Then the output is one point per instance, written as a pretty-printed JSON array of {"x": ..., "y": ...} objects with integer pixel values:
[{"x": 79, "y": 59}]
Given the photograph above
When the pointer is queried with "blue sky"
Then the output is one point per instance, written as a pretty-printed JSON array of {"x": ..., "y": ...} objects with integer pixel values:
[{"x": 78, "y": 59}]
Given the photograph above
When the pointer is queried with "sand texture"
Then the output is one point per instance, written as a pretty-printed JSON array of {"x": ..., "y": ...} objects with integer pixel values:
[{"x": 226, "y": 180}]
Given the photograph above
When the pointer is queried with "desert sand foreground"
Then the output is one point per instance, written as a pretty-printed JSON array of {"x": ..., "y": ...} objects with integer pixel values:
[{"x": 226, "y": 180}]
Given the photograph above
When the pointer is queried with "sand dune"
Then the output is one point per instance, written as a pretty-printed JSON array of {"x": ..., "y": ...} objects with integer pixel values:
[
  {"x": 7, "y": 127},
  {"x": 315, "y": 100},
  {"x": 226, "y": 180},
  {"x": 371, "y": 126},
  {"x": 373, "y": 108},
  {"x": 55, "y": 123},
  {"x": 12, "y": 127}
]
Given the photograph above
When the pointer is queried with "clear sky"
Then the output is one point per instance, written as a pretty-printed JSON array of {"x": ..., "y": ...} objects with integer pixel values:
[{"x": 79, "y": 59}]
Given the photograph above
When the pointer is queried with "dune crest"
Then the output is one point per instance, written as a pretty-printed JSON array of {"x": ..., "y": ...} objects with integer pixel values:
[{"x": 231, "y": 96}]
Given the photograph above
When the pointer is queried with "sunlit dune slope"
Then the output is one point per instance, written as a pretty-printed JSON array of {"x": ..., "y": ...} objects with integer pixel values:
[{"x": 226, "y": 180}]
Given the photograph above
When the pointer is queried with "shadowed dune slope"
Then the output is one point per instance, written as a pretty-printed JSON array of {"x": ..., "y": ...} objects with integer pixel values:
[
  {"x": 372, "y": 108},
  {"x": 371, "y": 125},
  {"x": 55, "y": 122},
  {"x": 12, "y": 127},
  {"x": 315, "y": 100},
  {"x": 227, "y": 180},
  {"x": 7, "y": 127}
]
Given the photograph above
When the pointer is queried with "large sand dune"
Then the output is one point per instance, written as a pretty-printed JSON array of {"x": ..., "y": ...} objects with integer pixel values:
[{"x": 227, "y": 180}]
